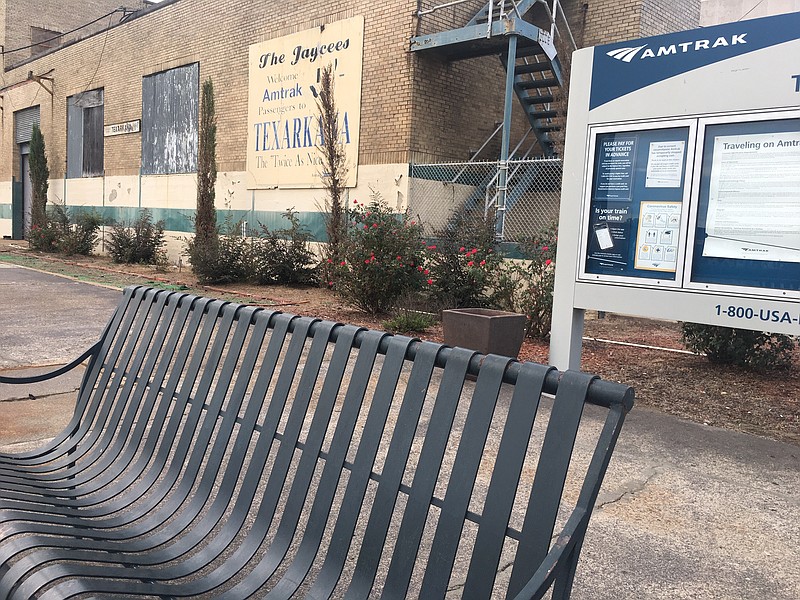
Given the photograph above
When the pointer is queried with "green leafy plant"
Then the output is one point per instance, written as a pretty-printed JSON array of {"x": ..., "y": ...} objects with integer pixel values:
[
  {"x": 754, "y": 350},
  {"x": 406, "y": 320},
  {"x": 382, "y": 257},
  {"x": 462, "y": 259},
  {"x": 65, "y": 235},
  {"x": 526, "y": 286},
  {"x": 227, "y": 261},
  {"x": 139, "y": 242},
  {"x": 284, "y": 256},
  {"x": 81, "y": 235}
]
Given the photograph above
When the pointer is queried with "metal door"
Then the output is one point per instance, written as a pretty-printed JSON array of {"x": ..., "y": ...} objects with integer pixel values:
[{"x": 26, "y": 190}]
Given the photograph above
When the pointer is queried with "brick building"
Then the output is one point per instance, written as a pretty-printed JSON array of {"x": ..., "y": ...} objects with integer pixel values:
[{"x": 118, "y": 108}]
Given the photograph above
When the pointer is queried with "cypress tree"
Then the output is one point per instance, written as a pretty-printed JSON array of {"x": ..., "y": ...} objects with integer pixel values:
[
  {"x": 205, "y": 222},
  {"x": 40, "y": 173}
]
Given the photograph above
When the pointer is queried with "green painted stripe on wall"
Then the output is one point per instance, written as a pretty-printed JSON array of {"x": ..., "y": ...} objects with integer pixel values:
[{"x": 180, "y": 220}]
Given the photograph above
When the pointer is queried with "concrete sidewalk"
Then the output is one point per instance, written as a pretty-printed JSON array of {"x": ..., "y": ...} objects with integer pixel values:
[{"x": 686, "y": 511}]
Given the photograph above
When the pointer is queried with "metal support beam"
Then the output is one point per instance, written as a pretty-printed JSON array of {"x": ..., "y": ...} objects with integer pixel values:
[{"x": 502, "y": 180}]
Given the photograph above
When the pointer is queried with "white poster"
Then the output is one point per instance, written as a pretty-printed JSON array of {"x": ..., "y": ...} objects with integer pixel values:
[
  {"x": 665, "y": 164},
  {"x": 754, "y": 198},
  {"x": 657, "y": 236},
  {"x": 284, "y": 133}
]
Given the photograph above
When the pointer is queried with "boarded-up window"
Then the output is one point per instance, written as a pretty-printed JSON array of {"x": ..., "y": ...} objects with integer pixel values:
[
  {"x": 169, "y": 121},
  {"x": 43, "y": 40},
  {"x": 85, "y": 134}
]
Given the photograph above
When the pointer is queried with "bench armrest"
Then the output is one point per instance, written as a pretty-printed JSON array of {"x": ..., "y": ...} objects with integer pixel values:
[
  {"x": 557, "y": 562},
  {"x": 51, "y": 374}
]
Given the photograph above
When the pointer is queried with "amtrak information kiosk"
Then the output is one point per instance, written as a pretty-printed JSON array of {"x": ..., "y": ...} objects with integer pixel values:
[{"x": 681, "y": 192}]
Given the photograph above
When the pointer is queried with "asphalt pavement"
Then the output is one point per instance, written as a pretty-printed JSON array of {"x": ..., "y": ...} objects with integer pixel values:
[{"x": 686, "y": 510}]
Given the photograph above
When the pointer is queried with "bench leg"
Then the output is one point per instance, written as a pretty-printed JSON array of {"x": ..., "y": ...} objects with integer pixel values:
[{"x": 562, "y": 587}]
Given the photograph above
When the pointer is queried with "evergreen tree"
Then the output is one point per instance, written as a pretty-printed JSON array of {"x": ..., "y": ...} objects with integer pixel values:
[
  {"x": 40, "y": 174},
  {"x": 205, "y": 222}
]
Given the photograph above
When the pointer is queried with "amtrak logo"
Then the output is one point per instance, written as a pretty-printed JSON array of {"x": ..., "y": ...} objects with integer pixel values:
[
  {"x": 625, "y": 54},
  {"x": 629, "y": 53}
]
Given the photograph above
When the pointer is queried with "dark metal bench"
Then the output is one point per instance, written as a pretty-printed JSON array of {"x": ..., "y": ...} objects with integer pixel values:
[{"x": 226, "y": 451}]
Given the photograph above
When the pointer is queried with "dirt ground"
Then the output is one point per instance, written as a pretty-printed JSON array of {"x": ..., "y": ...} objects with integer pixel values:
[{"x": 665, "y": 376}]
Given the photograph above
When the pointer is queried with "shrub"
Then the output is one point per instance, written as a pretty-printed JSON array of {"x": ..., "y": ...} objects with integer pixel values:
[
  {"x": 741, "y": 347},
  {"x": 410, "y": 320},
  {"x": 224, "y": 258},
  {"x": 82, "y": 235},
  {"x": 284, "y": 255},
  {"x": 140, "y": 242},
  {"x": 526, "y": 286},
  {"x": 382, "y": 257},
  {"x": 461, "y": 260},
  {"x": 45, "y": 238},
  {"x": 64, "y": 235}
]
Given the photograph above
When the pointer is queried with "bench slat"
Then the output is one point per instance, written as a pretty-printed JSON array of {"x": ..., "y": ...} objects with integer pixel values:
[{"x": 505, "y": 479}]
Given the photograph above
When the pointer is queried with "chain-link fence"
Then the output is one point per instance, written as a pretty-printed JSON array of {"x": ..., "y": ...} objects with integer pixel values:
[{"x": 439, "y": 193}]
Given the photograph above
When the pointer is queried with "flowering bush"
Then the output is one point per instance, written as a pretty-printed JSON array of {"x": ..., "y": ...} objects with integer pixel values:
[
  {"x": 526, "y": 286},
  {"x": 382, "y": 257},
  {"x": 461, "y": 262}
]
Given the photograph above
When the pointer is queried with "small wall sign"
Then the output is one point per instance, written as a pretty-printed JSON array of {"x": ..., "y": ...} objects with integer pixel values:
[{"x": 122, "y": 128}]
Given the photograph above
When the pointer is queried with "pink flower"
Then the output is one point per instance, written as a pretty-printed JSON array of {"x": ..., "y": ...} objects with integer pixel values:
[
  {"x": 419, "y": 268},
  {"x": 366, "y": 226},
  {"x": 399, "y": 258},
  {"x": 547, "y": 262},
  {"x": 374, "y": 225},
  {"x": 430, "y": 281},
  {"x": 343, "y": 263},
  {"x": 355, "y": 201},
  {"x": 461, "y": 249},
  {"x": 330, "y": 284},
  {"x": 330, "y": 261},
  {"x": 545, "y": 248},
  {"x": 432, "y": 247},
  {"x": 483, "y": 262},
  {"x": 471, "y": 263},
  {"x": 427, "y": 272},
  {"x": 474, "y": 250},
  {"x": 413, "y": 222},
  {"x": 366, "y": 262}
]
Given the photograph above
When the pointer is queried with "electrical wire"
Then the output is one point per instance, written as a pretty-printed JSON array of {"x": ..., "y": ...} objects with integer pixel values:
[
  {"x": 60, "y": 35},
  {"x": 759, "y": 3},
  {"x": 100, "y": 59}
]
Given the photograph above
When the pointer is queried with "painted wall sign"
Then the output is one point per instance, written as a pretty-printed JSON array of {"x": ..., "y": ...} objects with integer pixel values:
[
  {"x": 283, "y": 119},
  {"x": 122, "y": 128}
]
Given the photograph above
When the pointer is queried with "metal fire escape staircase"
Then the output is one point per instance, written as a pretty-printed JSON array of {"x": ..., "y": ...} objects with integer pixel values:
[{"x": 533, "y": 70}]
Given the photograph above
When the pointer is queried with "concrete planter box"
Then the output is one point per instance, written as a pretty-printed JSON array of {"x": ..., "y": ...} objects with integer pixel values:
[{"x": 487, "y": 331}]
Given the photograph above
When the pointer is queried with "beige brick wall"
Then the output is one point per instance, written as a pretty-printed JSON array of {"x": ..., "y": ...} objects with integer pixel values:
[
  {"x": 414, "y": 106},
  {"x": 608, "y": 22},
  {"x": 668, "y": 16},
  {"x": 217, "y": 33}
]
